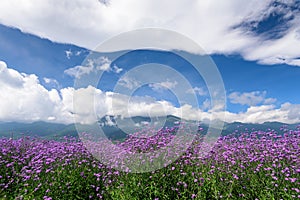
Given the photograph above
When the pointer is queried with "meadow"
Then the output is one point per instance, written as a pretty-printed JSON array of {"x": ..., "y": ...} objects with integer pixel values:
[{"x": 243, "y": 165}]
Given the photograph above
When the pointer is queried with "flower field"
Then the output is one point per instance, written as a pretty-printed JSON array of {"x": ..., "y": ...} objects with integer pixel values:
[{"x": 244, "y": 165}]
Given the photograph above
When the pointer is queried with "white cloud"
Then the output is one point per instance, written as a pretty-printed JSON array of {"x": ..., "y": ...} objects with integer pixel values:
[
  {"x": 104, "y": 2},
  {"x": 104, "y": 67},
  {"x": 101, "y": 63},
  {"x": 197, "y": 90},
  {"x": 117, "y": 69},
  {"x": 250, "y": 98},
  {"x": 78, "y": 71},
  {"x": 10, "y": 77},
  {"x": 23, "y": 98},
  {"x": 163, "y": 85},
  {"x": 212, "y": 24},
  {"x": 128, "y": 82},
  {"x": 69, "y": 53},
  {"x": 281, "y": 51},
  {"x": 78, "y": 53},
  {"x": 293, "y": 111},
  {"x": 52, "y": 82},
  {"x": 104, "y": 64},
  {"x": 206, "y": 104},
  {"x": 109, "y": 122},
  {"x": 270, "y": 100},
  {"x": 287, "y": 113}
]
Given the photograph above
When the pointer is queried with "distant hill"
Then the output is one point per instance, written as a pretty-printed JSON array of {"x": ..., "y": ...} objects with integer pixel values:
[
  {"x": 117, "y": 128},
  {"x": 40, "y": 129},
  {"x": 267, "y": 126}
]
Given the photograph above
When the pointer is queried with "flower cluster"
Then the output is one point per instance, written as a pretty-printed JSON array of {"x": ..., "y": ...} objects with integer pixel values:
[{"x": 244, "y": 165}]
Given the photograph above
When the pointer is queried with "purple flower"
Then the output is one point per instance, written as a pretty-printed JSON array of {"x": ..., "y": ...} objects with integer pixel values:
[
  {"x": 293, "y": 180},
  {"x": 235, "y": 176}
]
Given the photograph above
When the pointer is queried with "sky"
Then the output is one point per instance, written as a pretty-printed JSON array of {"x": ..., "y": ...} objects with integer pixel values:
[{"x": 77, "y": 61}]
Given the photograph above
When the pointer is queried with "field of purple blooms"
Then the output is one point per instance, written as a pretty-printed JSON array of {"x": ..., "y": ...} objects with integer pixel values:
[{"x": 244, "y": 165}]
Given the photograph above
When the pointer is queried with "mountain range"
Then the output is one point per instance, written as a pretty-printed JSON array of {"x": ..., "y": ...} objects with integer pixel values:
[{"x": 116, "y": 128}]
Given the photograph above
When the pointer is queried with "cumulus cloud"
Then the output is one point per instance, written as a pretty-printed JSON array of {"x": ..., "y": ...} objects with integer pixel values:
[
  {"x": 286, "y": 113},
  {"x": 24, "y": 99},
  {"x": 293, "y": 111},
  {"x": 10, "y": 77},
  {"x": 219, "y": 27},
  {"x": 250, "y": 98},
  {"x": 93, "y": 65}
]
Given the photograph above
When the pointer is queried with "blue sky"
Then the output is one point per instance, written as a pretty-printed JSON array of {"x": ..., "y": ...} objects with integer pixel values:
[{"x": 255, "y": 51}]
